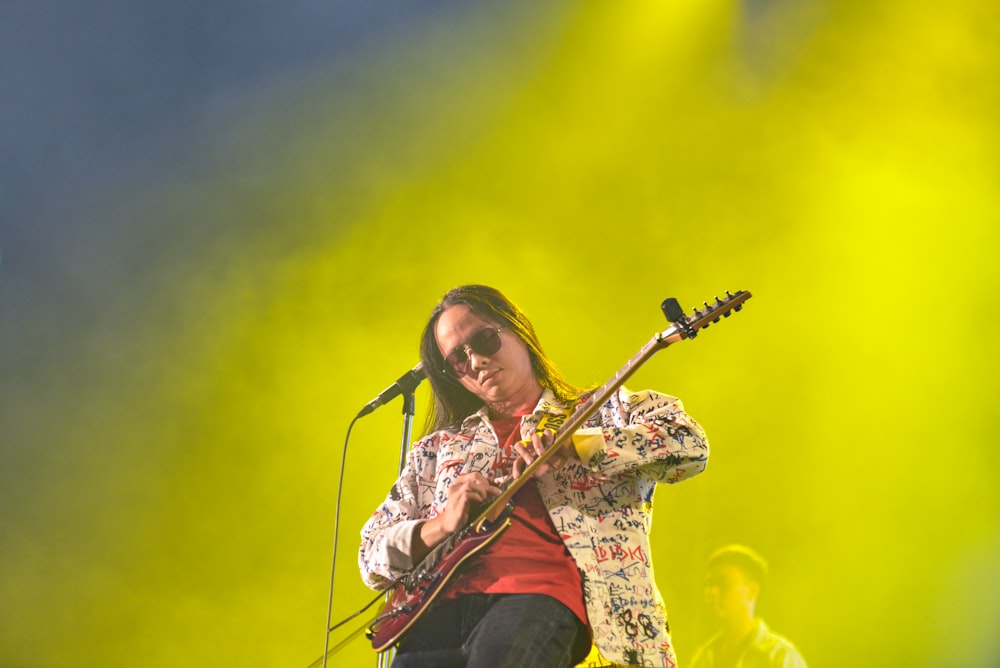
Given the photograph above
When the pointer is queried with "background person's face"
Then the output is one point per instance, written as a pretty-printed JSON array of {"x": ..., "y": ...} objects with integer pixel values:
[{"x": 729, "y": 594}]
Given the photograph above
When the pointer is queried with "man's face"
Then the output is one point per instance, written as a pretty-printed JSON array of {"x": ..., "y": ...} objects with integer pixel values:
[
  {"x": 729, "y": 594},
  {"x": 503, "y": 377}
]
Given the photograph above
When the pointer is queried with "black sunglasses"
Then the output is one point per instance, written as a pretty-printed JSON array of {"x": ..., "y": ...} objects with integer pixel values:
[{"x": 484, "y": 342}]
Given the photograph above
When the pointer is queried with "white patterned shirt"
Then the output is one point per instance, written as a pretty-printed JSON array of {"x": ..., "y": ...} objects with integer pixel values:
[{"x": 601, "y": 507}]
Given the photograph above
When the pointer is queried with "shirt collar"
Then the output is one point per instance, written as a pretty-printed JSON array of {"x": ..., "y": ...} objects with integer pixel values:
[{"x": 547, "y": 403}]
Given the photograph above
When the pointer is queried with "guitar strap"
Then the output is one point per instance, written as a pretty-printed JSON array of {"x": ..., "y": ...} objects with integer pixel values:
[{"x": 554, "y": 418}]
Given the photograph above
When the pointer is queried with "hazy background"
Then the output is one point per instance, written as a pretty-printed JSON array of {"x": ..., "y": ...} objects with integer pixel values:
[{"x": 224, "y": 224}]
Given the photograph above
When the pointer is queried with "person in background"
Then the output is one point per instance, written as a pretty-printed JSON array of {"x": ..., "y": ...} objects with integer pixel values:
[
  {"x": 574, "y": 565},
  {"x": 733, "y": 582}
]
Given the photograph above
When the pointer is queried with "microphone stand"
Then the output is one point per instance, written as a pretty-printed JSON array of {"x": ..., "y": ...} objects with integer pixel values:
[{"x": 409, "y": 408}]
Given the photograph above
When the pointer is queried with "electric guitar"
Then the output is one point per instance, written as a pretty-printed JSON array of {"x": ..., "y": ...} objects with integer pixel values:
[{"x": 413, "y": 594}]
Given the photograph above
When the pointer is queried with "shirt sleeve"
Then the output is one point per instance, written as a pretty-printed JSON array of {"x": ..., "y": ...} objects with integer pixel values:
[
  {"x": 645, "y": 430},
  {"x": 786, "y": 656},
  {"x": 387, "y": 537}
]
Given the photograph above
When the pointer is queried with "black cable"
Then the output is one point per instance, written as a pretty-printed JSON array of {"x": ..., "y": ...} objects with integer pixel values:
[
  {"x": 350, "y": 638},
  {"x": 336, "y": 536}
]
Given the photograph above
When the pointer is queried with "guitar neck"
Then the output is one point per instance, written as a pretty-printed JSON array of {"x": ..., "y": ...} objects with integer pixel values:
[{"x": 580, "y": 415}]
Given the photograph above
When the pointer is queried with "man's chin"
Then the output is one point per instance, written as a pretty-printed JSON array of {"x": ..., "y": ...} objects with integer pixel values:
[{"x": 718, "y": 613}]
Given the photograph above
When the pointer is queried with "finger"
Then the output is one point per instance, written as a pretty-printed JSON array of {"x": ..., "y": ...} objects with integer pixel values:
[
  {"x": 471, "y": 487},
  {"x": 528, "y": 450},
  {"x": 545, "y": 440},
  {"x": 480, "y": 483},
  {"x": 482, "y": 488}
]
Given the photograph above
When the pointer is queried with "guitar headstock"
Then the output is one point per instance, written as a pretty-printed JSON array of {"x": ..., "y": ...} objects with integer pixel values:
[{"x": 687, "y": 326}]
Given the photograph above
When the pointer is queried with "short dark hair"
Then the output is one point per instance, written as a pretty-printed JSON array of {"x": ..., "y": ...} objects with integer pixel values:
[
  {"x": 451, "y": 402},
  {"x": 751, "y": 564}
]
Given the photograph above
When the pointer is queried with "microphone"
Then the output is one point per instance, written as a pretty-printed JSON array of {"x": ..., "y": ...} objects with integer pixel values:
[{"x": 407, "y": 383}]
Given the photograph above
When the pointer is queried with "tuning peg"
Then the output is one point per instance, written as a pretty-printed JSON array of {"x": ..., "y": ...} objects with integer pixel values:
[{"x": 672, "y": 310}]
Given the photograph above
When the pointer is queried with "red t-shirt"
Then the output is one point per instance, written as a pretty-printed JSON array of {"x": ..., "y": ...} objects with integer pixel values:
[{"x": 529, "y": 557}]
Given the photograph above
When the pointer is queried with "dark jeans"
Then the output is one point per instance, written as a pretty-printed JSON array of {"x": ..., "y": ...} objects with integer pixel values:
[{"x": 495, "y": 631}]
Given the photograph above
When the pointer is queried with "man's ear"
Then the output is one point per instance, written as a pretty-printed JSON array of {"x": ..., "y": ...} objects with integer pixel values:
[{"x": 753, "y": 588}]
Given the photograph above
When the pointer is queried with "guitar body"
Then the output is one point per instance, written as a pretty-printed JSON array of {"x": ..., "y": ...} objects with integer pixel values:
[{"x": 412, "y": 595}]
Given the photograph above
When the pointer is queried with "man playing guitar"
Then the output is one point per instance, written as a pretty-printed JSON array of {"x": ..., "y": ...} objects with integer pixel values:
[{"x": 564, "y": 562}]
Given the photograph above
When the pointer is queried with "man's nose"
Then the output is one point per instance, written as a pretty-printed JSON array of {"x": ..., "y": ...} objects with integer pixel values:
[{"x": 476, "y": 360}]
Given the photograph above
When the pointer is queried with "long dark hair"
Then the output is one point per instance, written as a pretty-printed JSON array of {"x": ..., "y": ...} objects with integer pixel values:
[{"x": 451, "y": 402}]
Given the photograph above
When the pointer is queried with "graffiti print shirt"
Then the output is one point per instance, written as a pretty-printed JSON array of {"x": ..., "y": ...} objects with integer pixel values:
[{"x": 601, "y": 507}]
